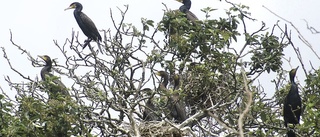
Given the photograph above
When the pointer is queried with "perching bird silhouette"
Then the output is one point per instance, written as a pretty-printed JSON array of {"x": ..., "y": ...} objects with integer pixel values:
[{"x": 86, "y": 24}]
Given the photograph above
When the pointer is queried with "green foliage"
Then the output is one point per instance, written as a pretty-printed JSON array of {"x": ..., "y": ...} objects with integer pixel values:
[
  {"x": 36, "y": 118},
  {"x": 212, "y": 78},
  {"x": 53, "y": 86},
  {"x": 267, "y": 55},
  {"x": 202, "y": 38},
  {"x": 311, "y": 105},
  {"x": 205, "y": 54},
  {"x": 5, "y": 115}
]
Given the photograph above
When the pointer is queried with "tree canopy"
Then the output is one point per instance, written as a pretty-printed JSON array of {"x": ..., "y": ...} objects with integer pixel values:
[{"x": 213, "y": 66}]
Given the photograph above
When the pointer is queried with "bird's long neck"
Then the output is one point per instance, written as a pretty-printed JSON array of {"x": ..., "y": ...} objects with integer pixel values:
[
  {"x": 176, "y": 83},
  {"x": 46, "y": 69},
  {"x": 292, "y": 79},
  {"x": 187, "y": 4},
  {"x": 49, "y": 64},
  {"x": 77, "y": 12},
  {"x": 294, "y": 86},
  {"x": 164, "y": 80},
  {"x": 78, "y": 8}
]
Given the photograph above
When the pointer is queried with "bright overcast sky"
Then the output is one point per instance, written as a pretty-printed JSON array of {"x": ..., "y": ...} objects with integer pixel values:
[{"x": 36, "y": 23}]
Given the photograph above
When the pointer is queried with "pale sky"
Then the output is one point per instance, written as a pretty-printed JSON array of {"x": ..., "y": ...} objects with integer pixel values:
[{"x": 36, "y": 23}]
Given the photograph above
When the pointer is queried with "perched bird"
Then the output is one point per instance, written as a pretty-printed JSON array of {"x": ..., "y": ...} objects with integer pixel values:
[
  {"x": 86, "y": 24},
  {"x": 164, "y": 80},
  {"x": 185, "y": 8},
  {"x": 150, "y": 111},
  {"x": 292, "y": 104},
  {"x": 177, "y": 108},
  {"x": 45, "y": 73},
  {"x": 175, "y": 81},
  {"x": 175, "y": 104}
]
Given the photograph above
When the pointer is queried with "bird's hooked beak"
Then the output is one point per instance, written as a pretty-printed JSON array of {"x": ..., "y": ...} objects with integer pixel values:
[
  {"x": 158, "y": 73},
  {"x": 70, "y": 7},
  {"x": 294, "y": 71},
  {"x": 42, "y": 57}
]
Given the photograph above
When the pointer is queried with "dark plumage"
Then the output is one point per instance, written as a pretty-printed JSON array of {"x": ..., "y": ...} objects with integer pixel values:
[
  {"x": 176, "y": 81},
  {"x": 175, "y": 104},
  {"x": 177, "y": 108},
  {"x": 165, "y": 80},
  {"x": 45, "y": 72},
  {"x": 150, "y": 111},
  {"x": 86, "y": 24},
  {"x": 292, "y": 104},
  {"x": 185, "y": 8}
]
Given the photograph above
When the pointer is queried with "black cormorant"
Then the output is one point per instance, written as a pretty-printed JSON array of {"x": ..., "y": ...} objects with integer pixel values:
[
  {"x": 185, "y": 8},
  {"x": 45, "y": 72},
  {"x": 165, "y": 80},
  {"x": 176, "y": 81},
  {"x": 86, "y": 24},
  {"x": 292, "y": 105},
  {"x": 175, "y": 104},
  {"x": 150, "y": 111}
]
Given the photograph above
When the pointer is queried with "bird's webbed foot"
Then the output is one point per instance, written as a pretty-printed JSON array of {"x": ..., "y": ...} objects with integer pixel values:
[{"x": 86, "y": 43}]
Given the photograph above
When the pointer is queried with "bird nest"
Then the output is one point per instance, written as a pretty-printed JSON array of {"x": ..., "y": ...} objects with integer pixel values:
[{"x": 159, "y": 129}]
